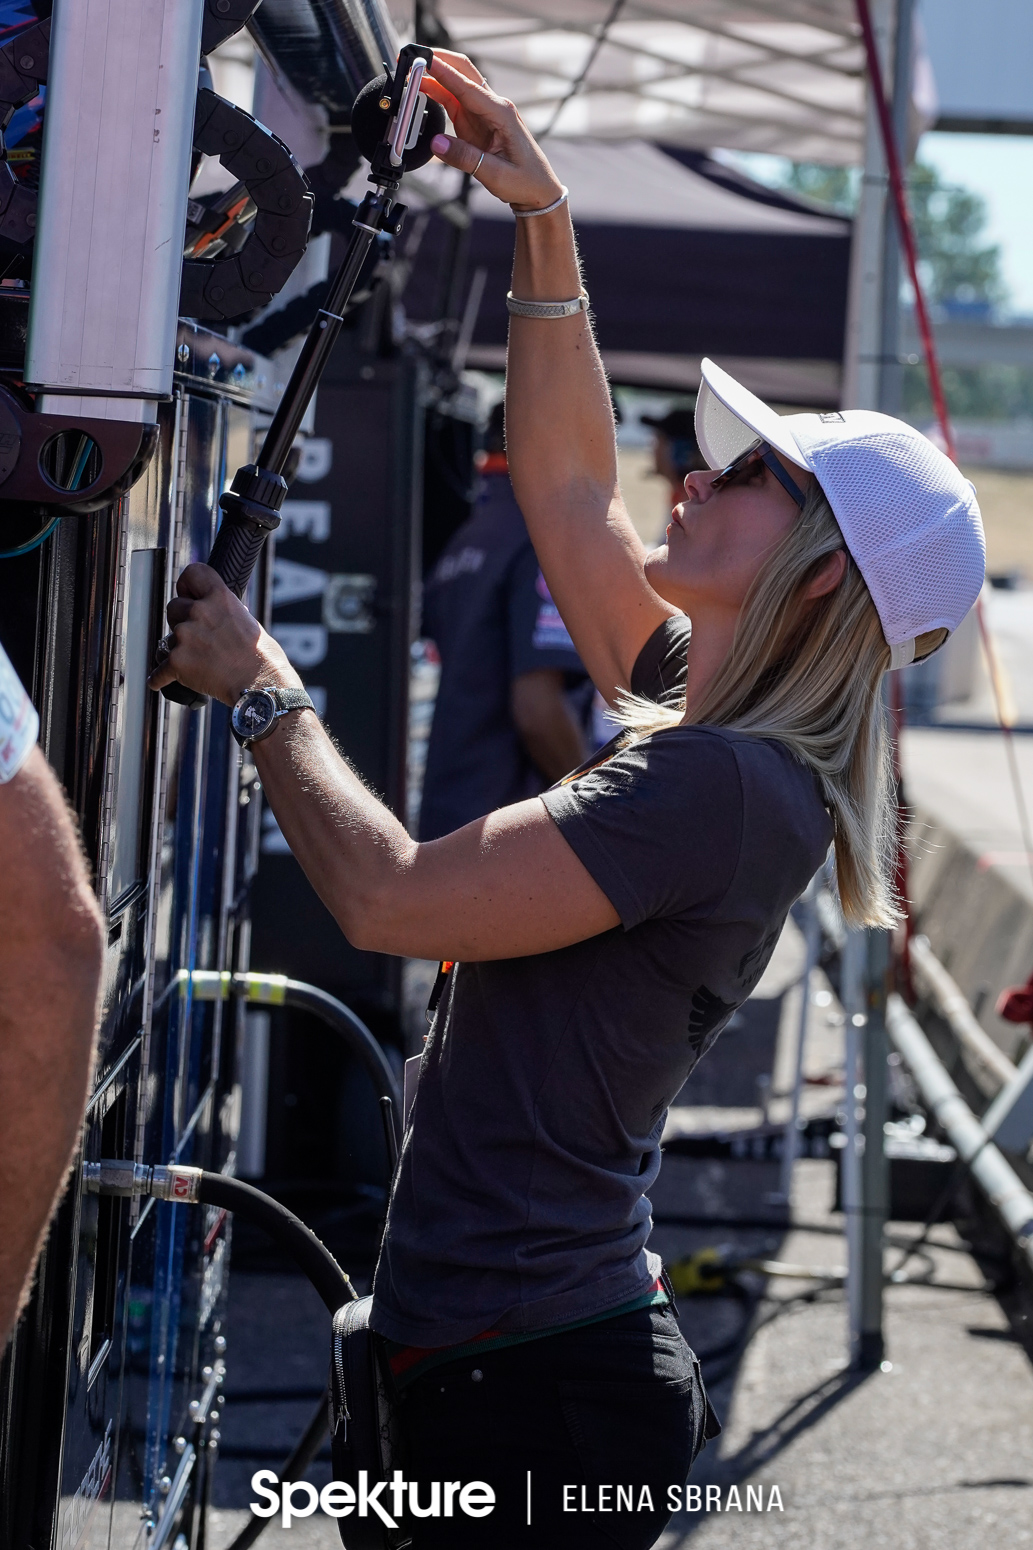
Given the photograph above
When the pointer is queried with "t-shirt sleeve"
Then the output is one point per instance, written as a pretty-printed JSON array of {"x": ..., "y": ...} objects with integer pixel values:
[
  {"x": 659, "y": 825},
  {"x": 538, "y": 637},
  {"x": 19, "y": 723},
  {"x": 662, "y": 664}
]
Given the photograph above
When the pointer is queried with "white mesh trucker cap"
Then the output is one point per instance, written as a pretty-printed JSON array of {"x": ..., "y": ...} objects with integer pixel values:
[{"x": 907, "y": 514}]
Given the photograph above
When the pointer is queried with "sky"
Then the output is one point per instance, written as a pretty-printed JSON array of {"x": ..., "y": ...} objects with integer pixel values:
[{"x": 1000, "y": 168}]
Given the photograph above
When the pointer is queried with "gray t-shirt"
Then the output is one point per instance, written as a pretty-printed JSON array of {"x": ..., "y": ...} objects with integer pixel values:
[{"x": 520, "y": 1201}]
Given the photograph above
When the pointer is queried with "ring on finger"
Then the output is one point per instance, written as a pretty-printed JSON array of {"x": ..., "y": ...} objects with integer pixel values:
[{"x": 478, "y": 166}]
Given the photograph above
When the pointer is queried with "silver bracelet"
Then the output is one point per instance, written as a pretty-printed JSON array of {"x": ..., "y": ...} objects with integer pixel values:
[
  {"x": 545, "y": 210},
  {"x": 546, "y": 309}
]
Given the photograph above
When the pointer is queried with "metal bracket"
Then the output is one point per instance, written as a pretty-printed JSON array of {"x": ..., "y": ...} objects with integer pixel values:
[
  {"x": 222, "y": 19},
  {"x": 1009, "y": 1119},
  {"x": 78, "y": 464}
]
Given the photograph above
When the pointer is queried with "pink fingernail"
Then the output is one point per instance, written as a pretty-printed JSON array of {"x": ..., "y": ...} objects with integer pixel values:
[{"x": 440, "y": 144}]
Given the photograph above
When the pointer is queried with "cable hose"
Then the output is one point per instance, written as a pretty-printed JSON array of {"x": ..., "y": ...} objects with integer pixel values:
[
  {"x": 300, "y": 1242},
  {"x": 309, "y": 998},
  {"x": 33, "y": 543}
]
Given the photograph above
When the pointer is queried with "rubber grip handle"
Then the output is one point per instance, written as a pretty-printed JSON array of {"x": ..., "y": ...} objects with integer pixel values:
[
  {"x": 234, "y": 556},
  {"x": 179, "y": 694},
  {"x": 235, "y": 552}
]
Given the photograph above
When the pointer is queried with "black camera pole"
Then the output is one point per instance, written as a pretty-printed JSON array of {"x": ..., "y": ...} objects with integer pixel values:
[{"x": 251, "y": 506}]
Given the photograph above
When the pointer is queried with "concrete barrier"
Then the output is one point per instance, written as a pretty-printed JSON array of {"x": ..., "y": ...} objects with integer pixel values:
[{"x": 978, "y": 922}]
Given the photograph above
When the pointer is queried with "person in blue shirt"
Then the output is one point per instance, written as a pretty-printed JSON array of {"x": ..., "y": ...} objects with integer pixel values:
[{"x": 514, "y": 698}]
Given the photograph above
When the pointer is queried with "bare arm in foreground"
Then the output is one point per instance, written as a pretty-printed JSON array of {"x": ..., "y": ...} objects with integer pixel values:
[
  {"x": 50, "y": 961},
  {"x": 503, "y": 887}
]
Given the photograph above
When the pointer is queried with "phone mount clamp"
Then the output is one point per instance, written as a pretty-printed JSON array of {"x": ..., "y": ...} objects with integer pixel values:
[{"x": 393, "y": 123}]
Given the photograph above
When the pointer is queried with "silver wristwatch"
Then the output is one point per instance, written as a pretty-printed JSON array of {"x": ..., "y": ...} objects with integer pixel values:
[{"x": 258, "y": 710}]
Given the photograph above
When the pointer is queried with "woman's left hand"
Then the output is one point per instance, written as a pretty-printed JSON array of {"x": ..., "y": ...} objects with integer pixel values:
[{"x": 217, "y": 646}]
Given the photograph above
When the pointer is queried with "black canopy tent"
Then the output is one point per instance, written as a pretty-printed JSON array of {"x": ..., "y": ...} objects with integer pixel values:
[{"x": 683, "y": 258}]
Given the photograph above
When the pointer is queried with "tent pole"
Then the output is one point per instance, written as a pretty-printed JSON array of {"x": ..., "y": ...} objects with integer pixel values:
[
  {"x": 864, "y": 343},
  {"x": 871, "y": 375},
  {"x": 891, "y": 375}
]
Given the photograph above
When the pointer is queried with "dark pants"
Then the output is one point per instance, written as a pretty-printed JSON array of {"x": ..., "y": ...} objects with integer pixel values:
[{"x": 605, "y": 1418}]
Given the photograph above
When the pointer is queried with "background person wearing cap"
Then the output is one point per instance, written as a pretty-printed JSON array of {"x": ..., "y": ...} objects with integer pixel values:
[
  {"x": 607, "y": 930},
  {"x": 675, "y": 448}
]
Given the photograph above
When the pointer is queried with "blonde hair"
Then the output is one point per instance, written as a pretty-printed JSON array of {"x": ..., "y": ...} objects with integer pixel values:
[{"x": 810, "y": 674}]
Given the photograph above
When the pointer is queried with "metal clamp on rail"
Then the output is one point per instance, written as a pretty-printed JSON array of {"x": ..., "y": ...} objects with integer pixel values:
[{"x": 111, "y": 1177}]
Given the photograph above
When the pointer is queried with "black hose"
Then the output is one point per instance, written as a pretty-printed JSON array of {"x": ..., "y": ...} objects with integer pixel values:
[
  {"x": 309, "y": 998},
  {"x": 289, "y": 1231}
]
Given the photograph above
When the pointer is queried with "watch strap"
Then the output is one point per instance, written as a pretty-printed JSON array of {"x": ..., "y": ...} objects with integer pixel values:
[{"x": 292, "y": 699}]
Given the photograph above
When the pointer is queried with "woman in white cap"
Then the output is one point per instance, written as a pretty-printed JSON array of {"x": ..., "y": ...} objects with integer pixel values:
[{"x": 606, "y": 932}]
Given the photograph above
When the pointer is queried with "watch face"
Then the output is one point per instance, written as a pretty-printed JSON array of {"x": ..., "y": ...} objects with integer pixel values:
[{"x": 254, "y": 715}]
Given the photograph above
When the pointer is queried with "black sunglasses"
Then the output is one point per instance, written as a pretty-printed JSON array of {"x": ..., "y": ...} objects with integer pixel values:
[{"x": 762, "y": 453}]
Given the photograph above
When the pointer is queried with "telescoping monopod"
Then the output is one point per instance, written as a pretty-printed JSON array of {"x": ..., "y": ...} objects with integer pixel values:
[{"x": 393, "y": 123}]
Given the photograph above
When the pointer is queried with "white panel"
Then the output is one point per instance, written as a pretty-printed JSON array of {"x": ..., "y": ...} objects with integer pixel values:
[{"x": 112, "y": 212}]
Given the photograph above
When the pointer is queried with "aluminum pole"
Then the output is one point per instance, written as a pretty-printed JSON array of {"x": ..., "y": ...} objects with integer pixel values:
[
  {"x": 864, "y": 345},
  {"x": 812, "y": 940},
  {"x": 852, "y": 998},
  {"x": 891, "y": 370},
  {"x": 1002, "y": 1187},
  {"x": 871, "y": 1348}
]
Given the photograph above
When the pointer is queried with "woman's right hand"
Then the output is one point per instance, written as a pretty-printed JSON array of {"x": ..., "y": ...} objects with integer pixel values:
[{"x": 513, "y": 167}]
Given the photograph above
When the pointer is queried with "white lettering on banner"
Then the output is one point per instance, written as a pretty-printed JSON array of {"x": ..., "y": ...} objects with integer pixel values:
[
  {"x": 292, "y": 583},
  {"x": 305, "y": 644},
  {"x": 317, "y": 459},
  {"x": 306, "y": 519}
]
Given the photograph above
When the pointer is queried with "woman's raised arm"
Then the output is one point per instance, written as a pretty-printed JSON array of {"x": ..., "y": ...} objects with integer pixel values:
[{"x": 559, "y": 422}]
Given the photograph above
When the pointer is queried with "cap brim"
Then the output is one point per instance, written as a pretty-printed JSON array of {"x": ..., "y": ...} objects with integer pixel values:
[{"x": 730, "y": 419}]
